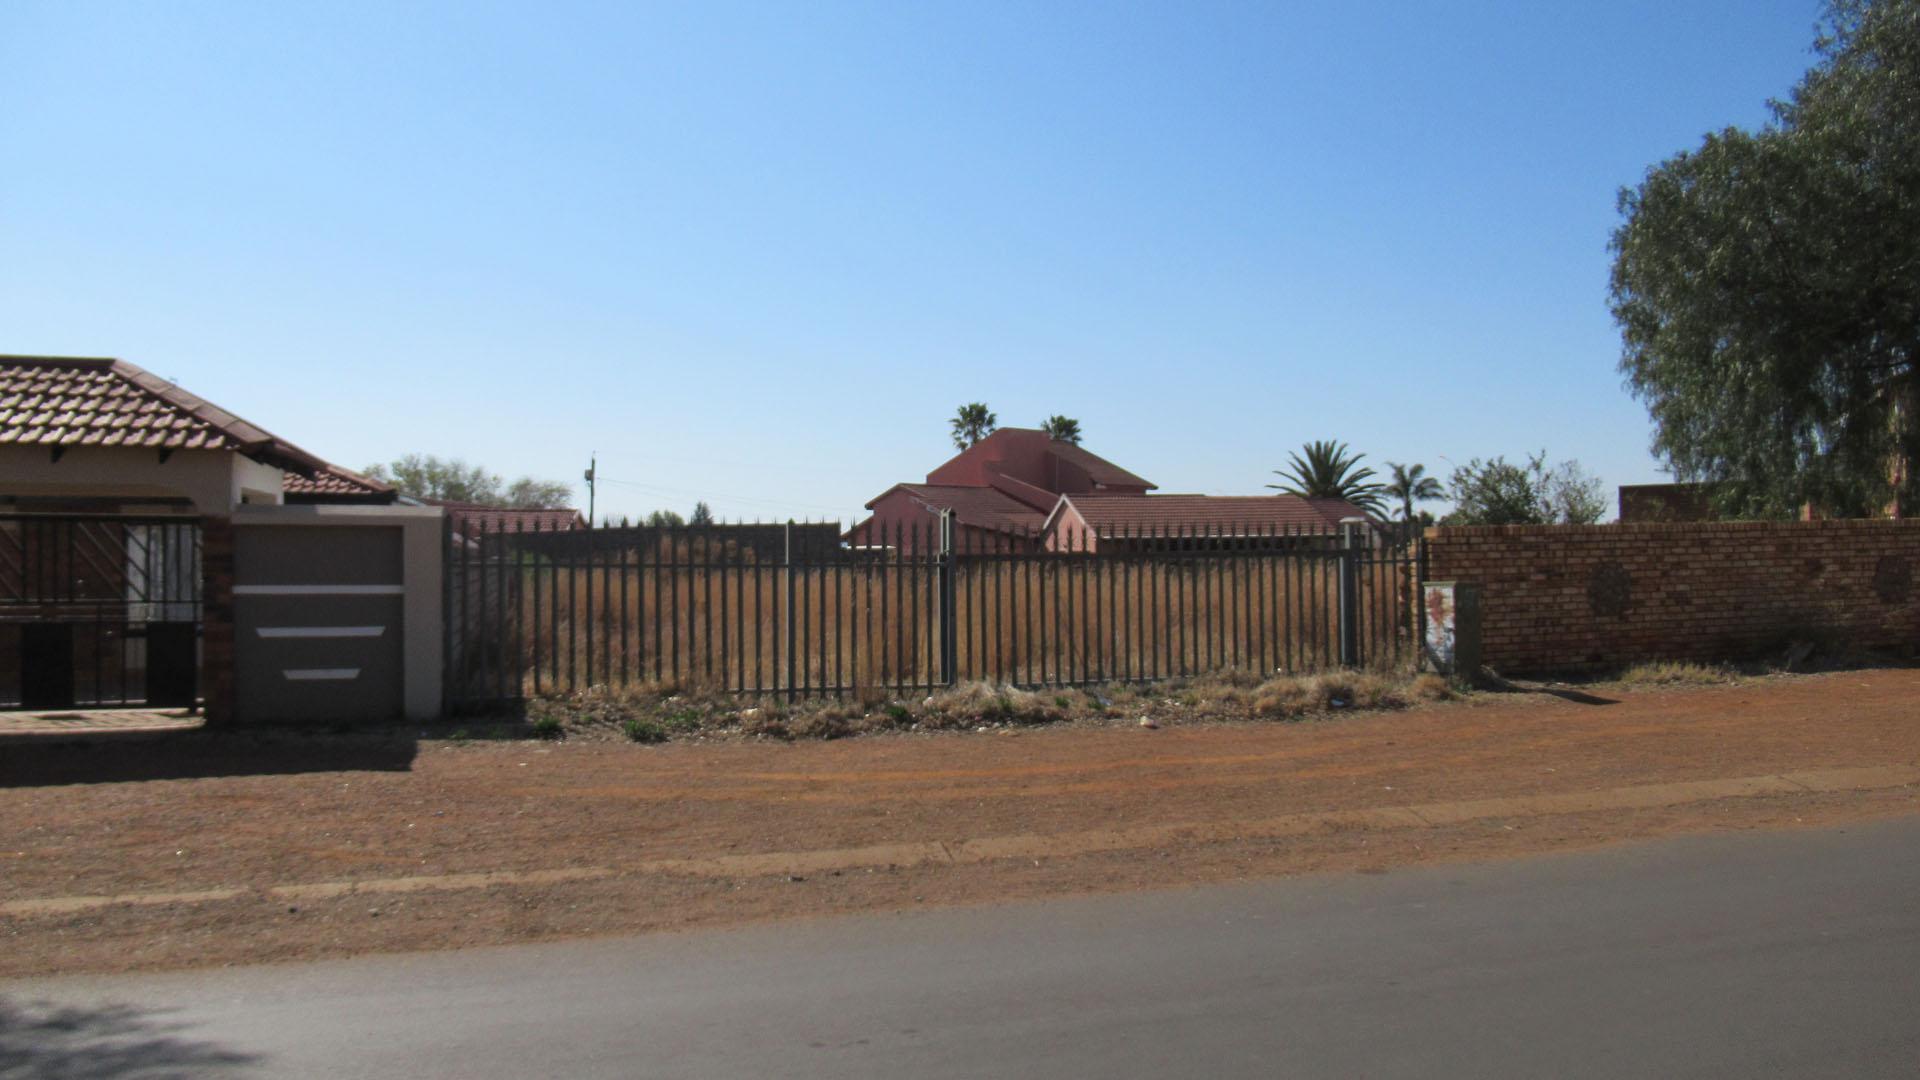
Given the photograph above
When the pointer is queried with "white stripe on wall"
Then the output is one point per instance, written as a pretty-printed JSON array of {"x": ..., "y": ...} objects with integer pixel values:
[
  {"x": 320, "y": 631},
  {"x": 318, "y": 674},
  {"x": 319, "y": 590}
]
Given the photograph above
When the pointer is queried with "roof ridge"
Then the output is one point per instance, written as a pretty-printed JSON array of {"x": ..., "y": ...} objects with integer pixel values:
[{"x": 58, "y": 361}]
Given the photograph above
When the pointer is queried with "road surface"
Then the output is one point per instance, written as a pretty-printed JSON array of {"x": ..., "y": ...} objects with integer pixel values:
[{"x": 1736, "y": 955}]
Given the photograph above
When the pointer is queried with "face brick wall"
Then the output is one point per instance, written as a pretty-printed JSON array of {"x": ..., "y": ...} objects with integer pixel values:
[
  {"x": 216, "y": 615},
  {"x": 1586, "y": 596}
]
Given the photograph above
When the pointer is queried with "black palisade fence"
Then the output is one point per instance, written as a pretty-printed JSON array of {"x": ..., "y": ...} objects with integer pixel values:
[{"x": 794, "y": 609}]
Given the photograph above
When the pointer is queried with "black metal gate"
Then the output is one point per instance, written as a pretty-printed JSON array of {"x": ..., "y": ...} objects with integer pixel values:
[{"x": 99, "y": 610}]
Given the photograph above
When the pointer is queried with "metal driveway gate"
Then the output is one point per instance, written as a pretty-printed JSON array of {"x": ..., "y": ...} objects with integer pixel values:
[
  {"x": 99, "y": 610},
  {"x": 318, "y": 623}
]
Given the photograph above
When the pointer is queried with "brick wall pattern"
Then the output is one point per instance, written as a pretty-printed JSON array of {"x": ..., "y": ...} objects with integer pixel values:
[
  {"x": 1591, "y": 596},
  {"x": 216, "y": 614}
]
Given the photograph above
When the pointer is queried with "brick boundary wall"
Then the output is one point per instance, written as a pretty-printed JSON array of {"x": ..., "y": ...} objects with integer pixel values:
[
  {"x": 1568, "y": 597},
  {"x": 216, "y": 619}
]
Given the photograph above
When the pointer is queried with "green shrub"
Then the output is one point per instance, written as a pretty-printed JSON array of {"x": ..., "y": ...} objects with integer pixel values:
[
  {"x": 644, "y": 731},
  {"x": 548, "y": 727}
]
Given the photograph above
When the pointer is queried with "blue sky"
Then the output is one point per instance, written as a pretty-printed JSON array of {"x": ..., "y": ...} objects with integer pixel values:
[{"x": 759, "y": 253}]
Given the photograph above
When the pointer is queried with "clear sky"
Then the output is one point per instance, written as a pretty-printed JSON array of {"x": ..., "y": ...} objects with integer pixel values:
[{"x": 758, "y": 254}]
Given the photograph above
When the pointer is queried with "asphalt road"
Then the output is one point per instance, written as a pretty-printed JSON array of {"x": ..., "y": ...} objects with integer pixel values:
[{"x": 1756, "y": 954}]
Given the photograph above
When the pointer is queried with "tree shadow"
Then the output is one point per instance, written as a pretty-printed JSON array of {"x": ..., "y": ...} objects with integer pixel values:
[
  {"x": 201, "y": 754},
  {"x": 68, "y": 1042},
  {"x": 1487, "y": 680}
]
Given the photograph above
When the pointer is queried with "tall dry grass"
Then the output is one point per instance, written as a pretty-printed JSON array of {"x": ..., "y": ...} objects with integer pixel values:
[{"x": 723, "y": 621}]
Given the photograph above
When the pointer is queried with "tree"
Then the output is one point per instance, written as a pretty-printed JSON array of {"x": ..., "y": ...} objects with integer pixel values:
[
  {"x": 1570, "y": 495},
  {"x": 534, "y": 494},
  {"x": 971, "y": 424},
  {"x": 1498, "y": 492},
  {"x": 425, "y": 476},
  {"x": 1410, "y": 484},
  {"x": 702, "y": 514},
  {"x": 665, "y": 519},
  {"x": 1062, "y": 429},
  {"x": 1766, "y": 289},
  {"x": 1493, "y": 493},
  {"x": 1329, "y": 471}
]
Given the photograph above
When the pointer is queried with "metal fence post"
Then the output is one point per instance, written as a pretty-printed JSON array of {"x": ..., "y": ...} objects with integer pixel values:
[
  {"x": 948, "y": 613},
  {"x": 787, "y": 562},
  {"x": 1349, "y": 595}
]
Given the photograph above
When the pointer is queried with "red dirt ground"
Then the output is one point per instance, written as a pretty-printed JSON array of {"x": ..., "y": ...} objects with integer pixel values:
[{"x": 258, "y": 812}]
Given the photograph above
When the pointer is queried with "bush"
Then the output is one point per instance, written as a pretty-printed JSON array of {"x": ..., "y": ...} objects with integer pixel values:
[
  {"x": 684, "y": 720},
  {"x": 641, "y": 730},
  {"x": 548, "y": 727}
]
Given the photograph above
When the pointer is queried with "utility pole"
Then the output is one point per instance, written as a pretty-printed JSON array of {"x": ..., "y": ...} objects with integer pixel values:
[{"x": 593, "y": 464}]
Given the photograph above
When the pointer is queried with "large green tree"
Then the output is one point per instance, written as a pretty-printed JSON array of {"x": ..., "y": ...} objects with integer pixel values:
[
  {"x": 1326, "y": 469},
  {"x": 1767, "y": 285},
  {"x": 425, "y": 476}
]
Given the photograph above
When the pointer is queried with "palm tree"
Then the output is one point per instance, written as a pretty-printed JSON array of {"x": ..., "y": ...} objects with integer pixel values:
[
  {"x": 1062, "y": 429},
  {"x": 1329, "y": 471},
  {"x": 971, "y": 424},
  {"x": 1410, "y": 484}
]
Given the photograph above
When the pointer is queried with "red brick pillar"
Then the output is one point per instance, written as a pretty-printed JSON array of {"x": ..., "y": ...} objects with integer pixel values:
[{"x": 216, "y": 619}]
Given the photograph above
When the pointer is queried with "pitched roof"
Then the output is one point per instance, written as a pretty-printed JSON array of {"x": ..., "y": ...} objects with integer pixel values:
[
  {"x": 1230, "y": 515},
  {"x": 1098, "y": 469},
  {"x": 60, "y": 402},
  {"x": 985, "y": 508},
  {"x": 332, "y": 480}
]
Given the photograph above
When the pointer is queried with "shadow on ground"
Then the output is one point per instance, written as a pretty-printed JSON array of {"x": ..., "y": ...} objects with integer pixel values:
[
  {"x": 201, "y": 754},
  {"x": 1490, "y": 681},
  {"x": 65, "y": 1042}
]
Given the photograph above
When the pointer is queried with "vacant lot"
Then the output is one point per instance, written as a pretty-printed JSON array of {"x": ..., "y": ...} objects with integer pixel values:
[{"x": 295, "y": 847}]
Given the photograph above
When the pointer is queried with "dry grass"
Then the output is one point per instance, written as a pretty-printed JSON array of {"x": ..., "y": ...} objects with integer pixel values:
[
  {"x": 662, "y": 711},
  {"x": 1677, "y": 673}
]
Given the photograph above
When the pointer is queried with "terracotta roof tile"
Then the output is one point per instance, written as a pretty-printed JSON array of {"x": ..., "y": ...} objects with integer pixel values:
[
  {"x": 1098, "y": 469},
  {"x": 982, "y": 507},
  {"x": 1222, "y": 514},
  {"x": 71, "y": 401},
  {"x": 334, "y": 480},
  {"x": 469, "y": 517}
]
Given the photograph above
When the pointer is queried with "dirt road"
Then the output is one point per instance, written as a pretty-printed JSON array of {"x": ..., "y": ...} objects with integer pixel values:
[{"x": 577, "y": 834}]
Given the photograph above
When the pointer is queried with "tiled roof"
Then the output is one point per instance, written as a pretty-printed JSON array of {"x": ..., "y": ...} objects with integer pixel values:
[
  {"x": 65, "y": 402},
  {"x": 985, "y": 508},
  {"x": 1230, "y": 515},
  {"x": 468, "y": 517},
  {"x": 1098, "y": 469},
  {"x": 334, "y": 480}
]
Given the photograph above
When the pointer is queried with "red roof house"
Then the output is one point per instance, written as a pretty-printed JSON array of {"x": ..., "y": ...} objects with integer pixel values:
[
  {"x": 1018, "y": 490},
  {"x": 1097, "y": 521}
]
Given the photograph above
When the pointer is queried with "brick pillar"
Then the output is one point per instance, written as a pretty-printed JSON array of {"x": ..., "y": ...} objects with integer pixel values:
[{"x": 216, "y": 619}]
